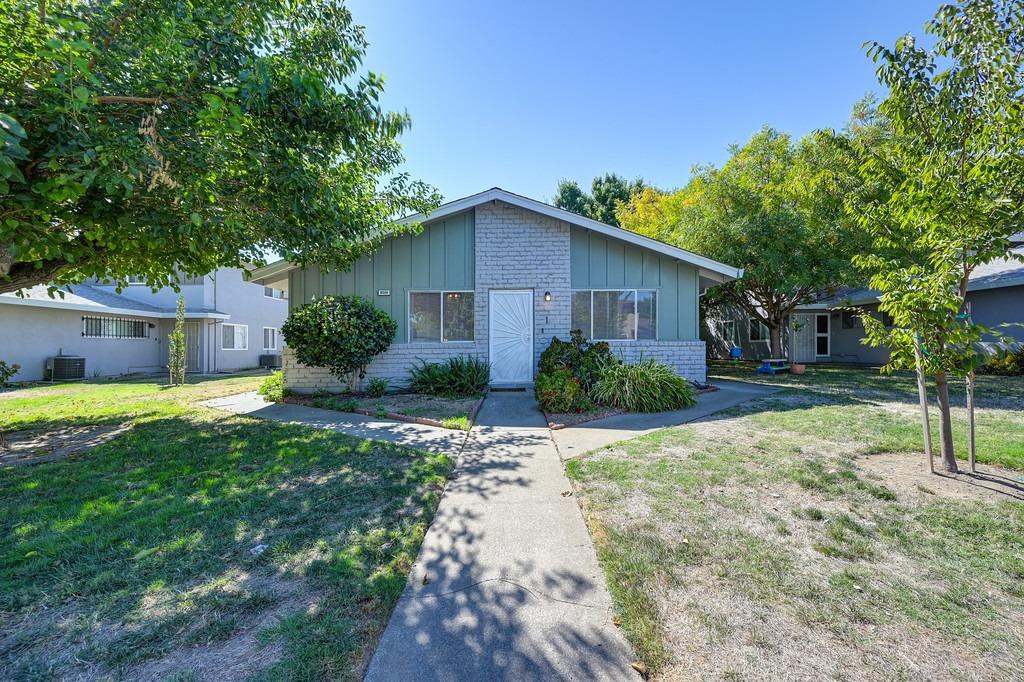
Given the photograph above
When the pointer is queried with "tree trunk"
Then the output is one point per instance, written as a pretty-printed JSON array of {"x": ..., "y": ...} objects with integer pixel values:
[
  {"x": 945, "y": 424},
  {"x": 922, "y": 395},
  {"x": 18, "y": 275},
  {"x": 775, "y": 334}
]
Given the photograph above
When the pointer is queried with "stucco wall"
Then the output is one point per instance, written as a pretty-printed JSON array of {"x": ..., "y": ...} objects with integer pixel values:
[
  {"x": 30, "y": 335},
  {"x": 246, "y": 304}
]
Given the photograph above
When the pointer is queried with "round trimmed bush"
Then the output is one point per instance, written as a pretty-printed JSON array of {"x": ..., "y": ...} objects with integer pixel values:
[{"x": 340, "y": 333}]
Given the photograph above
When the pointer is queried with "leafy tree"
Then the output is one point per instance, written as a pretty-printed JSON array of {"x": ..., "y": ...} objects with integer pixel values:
[
  {"x": 176, "y": 346},
  {"x": 137, "y": 138},
  {"x": 946, "y": 192},
  {"x": 776, "y": 210},
  {"x": 342, "y": 333},
  {"x": 606, "y": 194}
]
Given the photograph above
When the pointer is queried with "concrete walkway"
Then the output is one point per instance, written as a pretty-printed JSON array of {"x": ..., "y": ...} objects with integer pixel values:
[
  {"x": 577, "y": 440},
  {"x": 507, "y": 585},
  {"x": 432, "y": 438}
]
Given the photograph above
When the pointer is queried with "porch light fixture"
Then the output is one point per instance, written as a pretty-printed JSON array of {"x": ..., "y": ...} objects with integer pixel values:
[{"x": 547, "y": 296}]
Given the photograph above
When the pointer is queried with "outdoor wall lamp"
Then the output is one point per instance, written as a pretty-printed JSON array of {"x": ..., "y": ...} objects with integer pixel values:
[{"x": 547, "y": 296}]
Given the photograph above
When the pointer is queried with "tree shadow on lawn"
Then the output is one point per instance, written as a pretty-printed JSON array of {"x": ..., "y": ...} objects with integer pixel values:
[
  {"x": 868, "y": 428},
  {"x": 523, "y": 608},
  {"x": 144, "y": 549}
]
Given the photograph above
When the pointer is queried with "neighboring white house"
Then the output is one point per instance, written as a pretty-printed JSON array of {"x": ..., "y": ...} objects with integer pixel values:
[{"x": 230, "y": 323}]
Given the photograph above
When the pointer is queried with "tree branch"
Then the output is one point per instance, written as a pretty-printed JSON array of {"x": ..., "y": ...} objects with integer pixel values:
[
  {"x": 23, "y": 275},
  {"x": 125, "y": 99}
]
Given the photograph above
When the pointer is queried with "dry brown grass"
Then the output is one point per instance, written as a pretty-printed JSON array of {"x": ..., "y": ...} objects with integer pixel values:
[{"x": 739, "y": 549}]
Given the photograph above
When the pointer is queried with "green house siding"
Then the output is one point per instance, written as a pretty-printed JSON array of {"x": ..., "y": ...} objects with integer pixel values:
[
  {"x": 440, "y": 257},
  {"x": 599, "y": 262}
]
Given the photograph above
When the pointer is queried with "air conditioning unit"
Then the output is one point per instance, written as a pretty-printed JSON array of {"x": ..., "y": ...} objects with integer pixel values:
[
  {"x": 271, "y": 360},
  {"x": 65, "y": 368}
]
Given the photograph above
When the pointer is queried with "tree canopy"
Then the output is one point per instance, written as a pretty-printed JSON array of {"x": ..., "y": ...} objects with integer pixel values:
[
  {"x": 607, "y": 192},
  {"x": 151, "y": 138},
  {"x": 776, "y": 210},
  {"x": 945, "y": 192}
]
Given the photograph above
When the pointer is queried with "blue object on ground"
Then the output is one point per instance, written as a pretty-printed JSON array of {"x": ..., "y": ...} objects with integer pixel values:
[{"x": 773, "y": 366}]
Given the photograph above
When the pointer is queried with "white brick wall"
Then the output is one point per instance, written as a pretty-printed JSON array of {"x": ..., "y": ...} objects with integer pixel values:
[
  {"x": 685, "y": 357},
  {"x": 519, "y": 249},
  {"x": 515, "y": 249},
  {"x": 392, "y": 365}
]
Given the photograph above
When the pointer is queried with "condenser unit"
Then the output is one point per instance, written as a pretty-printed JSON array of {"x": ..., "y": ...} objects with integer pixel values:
[
  {"x": 270, "y": 360},
  {"x": 65, "y": 368}
]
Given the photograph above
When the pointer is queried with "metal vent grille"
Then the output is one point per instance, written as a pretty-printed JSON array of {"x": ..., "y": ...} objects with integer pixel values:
[{"x": 66, "y": 368}]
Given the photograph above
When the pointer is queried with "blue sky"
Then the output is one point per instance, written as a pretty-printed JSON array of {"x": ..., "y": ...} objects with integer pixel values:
[{"x": 520, "y": 94}]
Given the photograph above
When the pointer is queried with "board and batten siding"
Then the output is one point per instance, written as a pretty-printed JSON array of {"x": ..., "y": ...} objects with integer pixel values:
[
  {"x": 439, "y": 257},
  {"x": 599, "y": 262}
]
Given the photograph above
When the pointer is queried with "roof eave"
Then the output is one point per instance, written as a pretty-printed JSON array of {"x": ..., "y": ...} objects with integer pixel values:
[
  {"x": 271, "y": 272},
  {"x": 104, "y": 310}
]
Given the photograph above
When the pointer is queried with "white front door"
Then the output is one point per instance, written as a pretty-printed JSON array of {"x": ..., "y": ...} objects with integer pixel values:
[{"x": 510, "y": 340}]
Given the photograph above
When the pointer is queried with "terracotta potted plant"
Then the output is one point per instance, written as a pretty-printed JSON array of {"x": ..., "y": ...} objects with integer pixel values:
[{"x": 797, "y": 367}]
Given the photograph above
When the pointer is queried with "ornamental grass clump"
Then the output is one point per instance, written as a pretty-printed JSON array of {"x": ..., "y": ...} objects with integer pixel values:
[
  {"x": 645, "y": 386},
  {"x": 458, "y": 377}
]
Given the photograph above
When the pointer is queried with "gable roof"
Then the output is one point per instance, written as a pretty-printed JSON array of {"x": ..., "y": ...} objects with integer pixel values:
[
  {"x": 708, "y": 268},
  {"x": 94, "y": 299},
  {"x": 997, "y": 274}
]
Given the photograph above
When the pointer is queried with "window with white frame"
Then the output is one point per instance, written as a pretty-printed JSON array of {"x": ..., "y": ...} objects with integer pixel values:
[
  {"x": 271, "y": 292},
  {"x": 234, "y": 337},
  {"x": 269, "y": 338},
  {"x": 729, "y": 332},
  {"x": 615, "y": 314},
  {"x": 94, "y": 327},
  {"x": 135, "y": 279},
  {"x": 441, "y": 316},
  {"x": 759, "y": 331}
]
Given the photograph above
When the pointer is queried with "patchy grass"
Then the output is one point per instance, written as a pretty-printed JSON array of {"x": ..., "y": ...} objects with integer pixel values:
[
  {"x": 201, "y": 542},
  {"x": 760, "y": 544},
  {"x": 451, "y": 413},
  {"x": 882, "y": 413}
]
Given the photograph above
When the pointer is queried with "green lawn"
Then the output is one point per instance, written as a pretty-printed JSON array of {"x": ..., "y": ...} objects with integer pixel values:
[
  {"x": 133, "y": 559},
  {"x": 799, "y": 537}
]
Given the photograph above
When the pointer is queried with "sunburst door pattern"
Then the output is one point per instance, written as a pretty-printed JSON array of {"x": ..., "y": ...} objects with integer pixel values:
[{"x": 511, "y": 335}]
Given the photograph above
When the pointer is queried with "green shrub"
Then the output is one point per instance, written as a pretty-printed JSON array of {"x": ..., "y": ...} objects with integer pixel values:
[
  {"x": 1009, "y": 365},
  {"x": 559, "y": 391},
  {"x": 647, "y": 386},
  {"x": 579, "y": 356},
  {"x": 376, "y": 387},
  {"x": 341, "y": 333},
  {"x": 7, "y": 372},
  {"x": 272, "y": 387},
  {"x": 458, "y": 377}
]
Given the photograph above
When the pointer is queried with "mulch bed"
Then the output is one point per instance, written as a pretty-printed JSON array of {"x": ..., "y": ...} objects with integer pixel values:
[
  {"x": 565, "y": 420},
  {"x": 392, "y": 415}
]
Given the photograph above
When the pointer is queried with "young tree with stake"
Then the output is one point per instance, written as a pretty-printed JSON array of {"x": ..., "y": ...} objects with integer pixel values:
[{"x": 945, "y": 192}]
